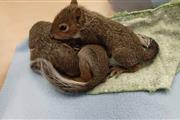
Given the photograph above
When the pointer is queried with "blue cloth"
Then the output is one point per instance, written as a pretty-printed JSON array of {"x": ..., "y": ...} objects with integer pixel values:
[
  {"x": 26, "y": 94},
  {"x": 158, "y": 2}
]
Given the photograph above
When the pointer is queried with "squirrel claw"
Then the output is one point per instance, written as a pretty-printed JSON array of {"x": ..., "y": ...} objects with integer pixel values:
[{"x": 115, "y": 72}]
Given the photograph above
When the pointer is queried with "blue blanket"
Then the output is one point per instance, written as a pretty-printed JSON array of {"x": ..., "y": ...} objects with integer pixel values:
[{"x": 27, "y": 95}]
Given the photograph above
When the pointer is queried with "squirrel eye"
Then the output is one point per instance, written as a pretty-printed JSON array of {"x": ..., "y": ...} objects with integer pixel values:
[{"x": 63, "y": 27}]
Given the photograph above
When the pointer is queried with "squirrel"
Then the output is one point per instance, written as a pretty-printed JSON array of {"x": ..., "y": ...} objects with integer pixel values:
[
  {"x": 62, "y": 64},
  {"x": 125, "y": 47},
  {"x": 58, "y": 53}
]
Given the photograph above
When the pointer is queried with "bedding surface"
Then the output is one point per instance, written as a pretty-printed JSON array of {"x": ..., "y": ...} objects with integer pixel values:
[
  {"x": 162, "y": 24},
  {"x": 26, "y": 94}
]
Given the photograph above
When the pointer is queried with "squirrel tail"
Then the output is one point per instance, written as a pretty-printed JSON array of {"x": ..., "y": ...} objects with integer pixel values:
[
  {"x": 151, "y": 47},
  {"x": 93, "y": 60},
  {"x": 63, "y": 83},
  {"x": 46, "y": 69}
]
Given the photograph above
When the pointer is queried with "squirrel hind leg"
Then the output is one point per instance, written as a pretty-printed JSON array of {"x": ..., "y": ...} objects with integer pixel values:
[
  {"x": 35, "y": 66},
  {"x": 126, "y": 57},
  {"x": 116, "y": 71}
]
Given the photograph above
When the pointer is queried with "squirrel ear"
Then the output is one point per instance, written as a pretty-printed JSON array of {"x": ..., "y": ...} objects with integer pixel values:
[
  {"x": 78, "y": 15},
  {"x": 74, "y": 2}
]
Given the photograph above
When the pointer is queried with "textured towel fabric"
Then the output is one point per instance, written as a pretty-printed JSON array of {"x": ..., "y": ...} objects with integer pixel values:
[
  {"x": 27, "y": 95},
  {"x": 162, "y": 24}
]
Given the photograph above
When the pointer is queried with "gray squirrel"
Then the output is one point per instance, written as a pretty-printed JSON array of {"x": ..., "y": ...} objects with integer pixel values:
[
  {"x": 123, "y": 46},
  {"x": 61, "y": 64}
]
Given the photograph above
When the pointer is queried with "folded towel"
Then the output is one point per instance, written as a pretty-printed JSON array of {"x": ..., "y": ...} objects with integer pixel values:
[{"x": 163, "y": 25}]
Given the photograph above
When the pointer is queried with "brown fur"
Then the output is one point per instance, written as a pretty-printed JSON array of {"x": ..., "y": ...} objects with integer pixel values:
[
  {"x": 63, "y": 57},
  {"x": 122, "y": 43},
  {"x": 91, "y": 62}
]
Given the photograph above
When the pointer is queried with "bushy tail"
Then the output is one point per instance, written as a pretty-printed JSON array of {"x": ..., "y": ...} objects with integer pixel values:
[
  {"x": 151, "y": 48},
  {"x": 47, "y": 70}
]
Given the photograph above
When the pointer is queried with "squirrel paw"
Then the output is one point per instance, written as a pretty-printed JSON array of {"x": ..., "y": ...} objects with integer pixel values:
[{"x": 116, "y": 71}]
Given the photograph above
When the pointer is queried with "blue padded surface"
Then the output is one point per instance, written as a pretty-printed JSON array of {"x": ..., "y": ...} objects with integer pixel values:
[{"x": 27, "y": 95}]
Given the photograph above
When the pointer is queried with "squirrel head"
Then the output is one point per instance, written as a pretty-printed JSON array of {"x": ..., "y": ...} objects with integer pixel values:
[{"x": 68, "y": 22}]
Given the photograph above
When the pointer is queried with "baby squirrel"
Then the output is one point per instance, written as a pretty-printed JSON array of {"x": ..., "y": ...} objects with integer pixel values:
[
  {"x": 125, "y": 47},
  {"x": 61, "y": 64},
  {"x": 63, "y": 57}
]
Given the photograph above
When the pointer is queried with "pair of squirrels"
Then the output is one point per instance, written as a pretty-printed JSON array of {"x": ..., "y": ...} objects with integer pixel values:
[{"x": 83, "y": 43}]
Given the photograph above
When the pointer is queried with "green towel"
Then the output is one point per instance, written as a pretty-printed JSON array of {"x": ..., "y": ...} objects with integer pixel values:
[{"x": 163, "y": 25}]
